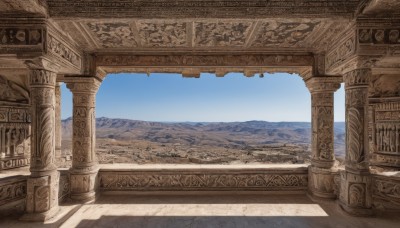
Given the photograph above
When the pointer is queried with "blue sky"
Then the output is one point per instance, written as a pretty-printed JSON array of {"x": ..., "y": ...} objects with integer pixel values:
[{"x": 169, "y": 97}]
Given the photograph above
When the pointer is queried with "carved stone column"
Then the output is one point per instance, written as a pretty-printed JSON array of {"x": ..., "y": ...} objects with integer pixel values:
[
  {"x": 84, "y": 163},
  {"x": 58, "y": 122},
  {"x": 355, "y": 185},
  {"x": 42, "y": 186},
  {"x": 321, "y": 177}
]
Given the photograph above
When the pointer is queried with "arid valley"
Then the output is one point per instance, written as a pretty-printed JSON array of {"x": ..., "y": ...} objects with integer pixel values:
[{"x": 141, "y": 142}]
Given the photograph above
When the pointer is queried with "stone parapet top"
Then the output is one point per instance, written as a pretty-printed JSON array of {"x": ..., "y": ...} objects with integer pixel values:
[{"x": 189, "y": 167}]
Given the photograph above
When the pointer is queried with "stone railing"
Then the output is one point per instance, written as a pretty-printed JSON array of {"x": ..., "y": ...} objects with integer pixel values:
[
  {"x": 153, "y": 178},
  {"x": 386, "y": 191}
]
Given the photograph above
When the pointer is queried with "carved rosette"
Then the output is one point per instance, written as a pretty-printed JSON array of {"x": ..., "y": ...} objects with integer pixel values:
[
  {"x": 84, "y": 163},
  {"x": 322, "y": 89},
  {"x": 356, "y": 83},
  {"x": 43, "y": 122}
]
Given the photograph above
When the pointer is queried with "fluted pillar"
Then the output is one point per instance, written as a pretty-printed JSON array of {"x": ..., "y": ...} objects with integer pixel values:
[
  {"x": 42, "y": 186},
  {"x": 355, "y": 190},
  {"x": 84, "y": 162},
  {"x": 321, "y": 178},
  {"x": 58, "y": 122}
]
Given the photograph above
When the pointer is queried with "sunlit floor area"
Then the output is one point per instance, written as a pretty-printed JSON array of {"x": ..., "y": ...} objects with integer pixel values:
[{"x": 208, "y": 211}]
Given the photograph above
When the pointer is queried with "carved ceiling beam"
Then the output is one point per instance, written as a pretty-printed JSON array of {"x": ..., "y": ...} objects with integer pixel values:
[{"x": 193, "y": 65}]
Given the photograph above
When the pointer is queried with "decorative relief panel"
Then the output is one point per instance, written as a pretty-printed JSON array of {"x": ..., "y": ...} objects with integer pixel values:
[
  {"x": 379, "y": 36},
  {"x": 62, "y": 51},
  {"x": 20, "y": 36},
  {"x": 167, "y": 34},
  {"x": 284, "y": 34},
  {"x": 386, "y": 188},
  {"x": 64, "y": 185},
  {"x": 210, "y": 181},
  {"x": 113, "y": 35},
  {"x": 12, "y": 191},
  {"x": 340, "y": 53},
  {"x": 221, "y": 33},
  {"x": 12, "y": 92}
]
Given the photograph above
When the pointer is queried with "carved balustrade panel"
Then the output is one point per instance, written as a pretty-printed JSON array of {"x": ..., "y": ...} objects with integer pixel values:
[{"x": 202, "y": 181}]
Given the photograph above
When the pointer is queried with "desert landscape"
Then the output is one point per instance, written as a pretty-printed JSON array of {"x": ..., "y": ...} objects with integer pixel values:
[{"x": 142, "y": 142}]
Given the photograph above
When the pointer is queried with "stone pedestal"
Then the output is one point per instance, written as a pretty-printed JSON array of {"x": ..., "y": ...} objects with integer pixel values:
[
  {"x": 42, "y": 186},
  {"x": 84, "y": 162},
  {"x": 321, "y": 177},
  {"x": 355, "y": 190}
]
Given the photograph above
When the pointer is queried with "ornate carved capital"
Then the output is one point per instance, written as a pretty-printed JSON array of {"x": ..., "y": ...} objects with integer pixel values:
[
  {"x": 81, "y": 84},
  {"x": 357, "y": 78},
  {"x": 323, "y": 84},
  {"x": 40, "y": 77}
]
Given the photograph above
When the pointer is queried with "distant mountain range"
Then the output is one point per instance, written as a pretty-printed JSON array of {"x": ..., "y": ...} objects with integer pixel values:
[{"x": 228, "y": 134}]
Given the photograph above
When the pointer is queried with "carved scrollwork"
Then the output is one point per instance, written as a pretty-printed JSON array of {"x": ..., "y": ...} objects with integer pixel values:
[
  {"x": 357, "y": 195},
  {"x": 284, "y": 34},
  {"x": 12, "y": 191},
  {"x": 221, "y": 33},
  {"x": 167, "y": 34},
  {"x": 125, "y": 181},
  {"x": 113, "y": 34}
]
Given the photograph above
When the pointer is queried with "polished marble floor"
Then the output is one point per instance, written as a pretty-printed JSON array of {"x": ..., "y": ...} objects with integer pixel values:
[{"x": 207, "y": 211}]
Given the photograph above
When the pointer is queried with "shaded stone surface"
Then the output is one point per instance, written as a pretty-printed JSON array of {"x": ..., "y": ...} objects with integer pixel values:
[{"x": 209, "y": 211}]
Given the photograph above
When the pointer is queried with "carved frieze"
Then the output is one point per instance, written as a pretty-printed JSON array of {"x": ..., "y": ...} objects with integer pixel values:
[
  {"x": 284, "y": 34},
  {"x": 20, "y": 36},
  {"x": 340, "y": 53},
  {"x": 386, "y": 188},
  {"x": 118, "y": 34},
  {"x": 204, "y": 60},
  {"x": 12, "y": 191},
  {"x": 64, "y": 185},
  {"x": 379, "y": 36},
  {"x": 62, "y": 51},
  {"x": 166, "y": 34},
  {"x": 211, "y": 181},
  {"x": 21, "y": 39},
  {"x": 220, "y": 34}
]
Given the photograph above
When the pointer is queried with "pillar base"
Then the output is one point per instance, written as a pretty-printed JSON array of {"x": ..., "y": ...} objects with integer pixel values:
[
  {"x": 355, "y": 193},
  {"x": 40, "y": 217},
  {"x": 321, "y": 184},
  {"x": 84, "y": 185},
  {"x": 354, "y": 211}
]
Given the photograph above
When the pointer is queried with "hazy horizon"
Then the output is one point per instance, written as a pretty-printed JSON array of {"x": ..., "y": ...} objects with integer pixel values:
[{"x": 189, "y": 121}]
